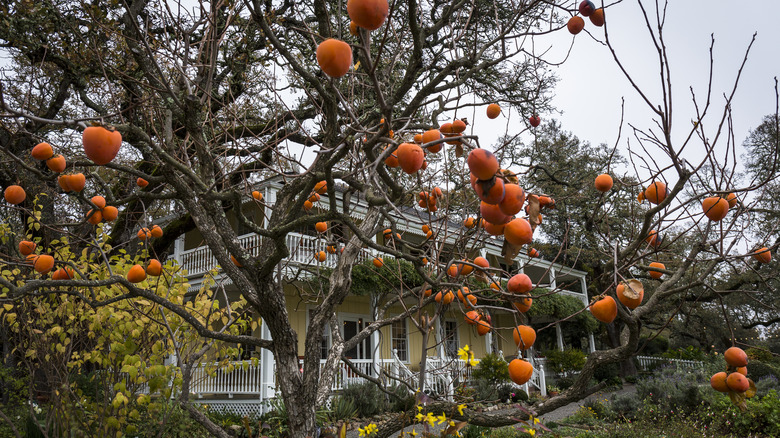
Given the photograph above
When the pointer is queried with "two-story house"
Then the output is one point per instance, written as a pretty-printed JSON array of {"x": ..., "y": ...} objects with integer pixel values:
[{"x": 396, "y": 348}]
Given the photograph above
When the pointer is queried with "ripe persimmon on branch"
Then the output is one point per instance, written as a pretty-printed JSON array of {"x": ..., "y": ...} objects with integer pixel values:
[{"x": 166, "y": 126}]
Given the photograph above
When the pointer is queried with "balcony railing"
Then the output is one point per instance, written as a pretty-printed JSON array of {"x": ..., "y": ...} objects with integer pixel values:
[{"x": 303, "y": 250}]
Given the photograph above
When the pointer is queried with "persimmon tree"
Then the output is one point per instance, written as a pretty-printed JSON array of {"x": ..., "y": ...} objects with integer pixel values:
[{"x": 210, "y": 101}]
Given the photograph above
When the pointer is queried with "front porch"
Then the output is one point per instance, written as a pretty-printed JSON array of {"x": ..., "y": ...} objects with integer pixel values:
[{"x": 242, "y": 387}]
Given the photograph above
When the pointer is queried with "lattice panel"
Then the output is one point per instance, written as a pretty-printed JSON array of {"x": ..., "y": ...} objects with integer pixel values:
[{"x": 244, "y": 408}]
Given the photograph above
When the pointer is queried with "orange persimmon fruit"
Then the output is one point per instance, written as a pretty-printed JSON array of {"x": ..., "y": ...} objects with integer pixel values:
[{"x": 334, "y": 57}]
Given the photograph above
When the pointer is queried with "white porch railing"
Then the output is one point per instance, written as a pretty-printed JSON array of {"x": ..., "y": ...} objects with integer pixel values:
[
  {"x": 303, "y": 249},
  {"x": 244, "y": 378},
  {"x": 647, "y": 363},
  {"x": 345, "y": 376},
  {"x": 442, "y": 374}
]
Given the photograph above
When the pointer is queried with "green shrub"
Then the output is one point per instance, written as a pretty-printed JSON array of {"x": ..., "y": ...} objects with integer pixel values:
[
  {"x": 491, "y": 368},
  {"x": 472, "y": 431},
  {"x": 631, "y": 379},
  {"x": 17, "y": 414},
  {"x": 565, "y": 361},
  {"x": 367, "y": 398},
  {"x": 672, "y": 390},
  {"x": 15, "y": 383},
  {"x": 506, "y": 432},
  {"x": 276, "y": 418},
  {"x": 606, "y": 372},
  {"x": 403, "y": 401},
  {"x": 564, "y": 383},
  {"x": 485, "y": 390},
  {"x": 688, "y": 353},
  {"x": 759, "y": 354},
  {"x": 559, "y": 306},
  {"x": 178, "y": 424},
  {"x": 600, "y": 408},
  {"x": 512, "y": 393},
  {"x": 655, "y": 346},
  {"x": 759, "y": 370},
  {"x": 225, "y": 419},
  {"x": 625, "y": 406},
  {"x": 33, "y": 428},
  {"x": 614, "y": 382},
  {"x": 762, "y": 417},
  {"x": 341, "y": 409},
  {"x": 584, "y": 415},
  {"x": 766, "y": 384},
  {"x": 89, "y": 384}
]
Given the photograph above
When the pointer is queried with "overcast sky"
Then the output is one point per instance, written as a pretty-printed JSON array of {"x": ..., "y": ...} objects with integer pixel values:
[{"x": 591, "y": 86}]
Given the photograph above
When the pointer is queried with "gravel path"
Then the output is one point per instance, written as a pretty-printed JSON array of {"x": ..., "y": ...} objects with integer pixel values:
[{"x": 568, "y": 410}]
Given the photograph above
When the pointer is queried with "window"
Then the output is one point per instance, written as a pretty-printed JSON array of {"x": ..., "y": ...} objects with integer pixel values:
[
  {"x": 353, "y": 326},
  {"x": 451, "y": 338},
  {"x": 399, "y": 340}
]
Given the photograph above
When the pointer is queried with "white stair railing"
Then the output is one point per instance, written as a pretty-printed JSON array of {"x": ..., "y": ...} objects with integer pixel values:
[{"x": 538, "y": 378}]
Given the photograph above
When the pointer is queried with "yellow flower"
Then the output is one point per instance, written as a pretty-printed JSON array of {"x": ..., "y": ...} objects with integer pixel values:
[
  {"x": 412, "y": 433},
  {"x": 442, "y": 418},
  {"x": 419, "y": 417},
  {"x": 531, "y": 432},
  {"x": 461, "y": 408},
  {"x": 473, "y": 362},
  {"x": 536, "y": 420},
  {"x": 430, "y": 419},
  {"x": 368, "y": 430},
  {"x": 463, "y": 353}
]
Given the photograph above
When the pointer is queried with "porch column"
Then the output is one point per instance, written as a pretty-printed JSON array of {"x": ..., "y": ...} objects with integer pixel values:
[
  {"x": 559, "y": 335},
  {"x": 584, "y": 285},
  {"x": 376, "y": 356},
  {"x": 553, "y": 283},
  {"x": 489, "y": 343},
  {"x": 439, "y": 338},
  {"x": 178, "y": 248},
  {"x": 267, "y": 366}
]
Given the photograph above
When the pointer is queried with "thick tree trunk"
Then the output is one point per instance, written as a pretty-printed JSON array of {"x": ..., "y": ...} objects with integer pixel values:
[{"x": 299, "y": 399}]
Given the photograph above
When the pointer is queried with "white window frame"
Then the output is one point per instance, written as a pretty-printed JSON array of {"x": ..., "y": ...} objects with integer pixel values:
[
  {"x": 455, "y": 341},
  {"x": 356, "y": 317},
  {"x": 405, "y": 323}
]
